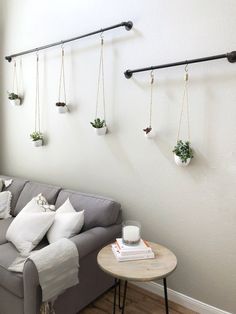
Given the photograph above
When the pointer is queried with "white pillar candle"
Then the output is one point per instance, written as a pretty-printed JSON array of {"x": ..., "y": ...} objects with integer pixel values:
[{"x": 131, "y": 233}]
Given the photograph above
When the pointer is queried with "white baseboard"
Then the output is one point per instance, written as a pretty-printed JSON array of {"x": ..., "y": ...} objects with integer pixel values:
[{"x": 180, "y": 298}]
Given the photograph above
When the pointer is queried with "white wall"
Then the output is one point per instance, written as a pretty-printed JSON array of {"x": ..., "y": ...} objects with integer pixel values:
[{"x": 192, "y": 210}]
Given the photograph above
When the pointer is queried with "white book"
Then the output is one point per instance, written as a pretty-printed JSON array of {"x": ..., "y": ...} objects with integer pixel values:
[
  {"x": 121, "y": 258},
  {"x": 125, "y": 250}
]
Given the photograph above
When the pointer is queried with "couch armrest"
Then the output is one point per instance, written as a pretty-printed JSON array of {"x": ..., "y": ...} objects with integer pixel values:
[
  {"x": 32, "y": 290},
  {"x": 95, "y": 238}
]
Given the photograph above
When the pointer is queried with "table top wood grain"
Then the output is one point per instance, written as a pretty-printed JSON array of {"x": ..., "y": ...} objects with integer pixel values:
[{"x": 164, "y": 263}]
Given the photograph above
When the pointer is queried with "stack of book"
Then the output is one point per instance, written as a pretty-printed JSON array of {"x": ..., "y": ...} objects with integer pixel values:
[{"x": 124, "y": 252}]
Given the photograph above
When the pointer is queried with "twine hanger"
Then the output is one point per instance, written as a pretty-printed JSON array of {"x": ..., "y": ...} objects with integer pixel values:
[
  {"x": 149, "y": 128},
  {"x": 15, "y": 81},
  {"x": 151, "y": 94},
  {"x": 184, "y": 99},
  {"x": 37, "y": 105},
  {"x": 62, "y": 76},
  {"x": 101, "y": 80}
]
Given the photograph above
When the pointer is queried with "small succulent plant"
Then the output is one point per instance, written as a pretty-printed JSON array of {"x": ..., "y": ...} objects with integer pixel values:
[
  {"x": 13, "y": 96},
  {"x": 147, "y": 130},
  {"x": 98, "y": 123},
  {"x": 183, "y": 150},
  {"x": 35, "y": 136},
  {"x": 60, "y": 104}
]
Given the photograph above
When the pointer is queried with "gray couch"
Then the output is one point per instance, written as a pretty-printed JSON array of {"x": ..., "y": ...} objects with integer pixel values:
[{"x": 21, "y": 293}]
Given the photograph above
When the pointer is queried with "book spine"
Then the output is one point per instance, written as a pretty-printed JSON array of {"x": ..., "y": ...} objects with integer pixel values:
[
  {"x": 131, "y": 257},
  {"x": 127, "y": 253},
  {"x": 134, "y": 258}
]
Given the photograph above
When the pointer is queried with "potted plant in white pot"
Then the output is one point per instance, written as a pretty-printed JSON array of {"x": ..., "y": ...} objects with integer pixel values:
[
  {"x": 37, "y": 138},
  {"x": 62, "y": 107},
  {"x": 15, "y": 99},
  {"x": 149, "y": 133},
  {"x": 183, "y": 153},
  {"x": 100, "y": 126}
]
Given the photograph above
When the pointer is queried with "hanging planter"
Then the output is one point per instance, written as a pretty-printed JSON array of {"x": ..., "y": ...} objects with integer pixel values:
[
  {"x": 61, "y": 105},
  {"x": 100, "y": 124},
  {"x": 37, "y": 139},
  {"x": 149, "y": 133},
  {"x": 14, "y": 97},
  {"x": 183, "y": 153},
  {"x": 37, "y": 136}
]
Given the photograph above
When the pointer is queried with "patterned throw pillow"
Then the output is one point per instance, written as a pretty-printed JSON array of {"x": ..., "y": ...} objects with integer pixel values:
[{"x": 41, "y": 200}]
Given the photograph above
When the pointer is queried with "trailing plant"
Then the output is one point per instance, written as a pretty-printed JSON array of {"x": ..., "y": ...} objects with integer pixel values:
[
  {"x": 35, "y": 136},
  {"x": 98, "y": 123},
  {"x": 60, "y": 104},
  {"x": 13, "y": 96},
  {"x": 183, "y": 150}
]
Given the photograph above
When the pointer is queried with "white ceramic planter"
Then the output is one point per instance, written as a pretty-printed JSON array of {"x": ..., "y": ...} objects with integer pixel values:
[
  {"x": 150, "y": 134},
  {"x": 62, "y": 109},
  {"x": 38, "y": 143},
  {"x": 15, "y": 102},
  {"x": 180, "y": 163},
  {"x": 101, "y": 131}
]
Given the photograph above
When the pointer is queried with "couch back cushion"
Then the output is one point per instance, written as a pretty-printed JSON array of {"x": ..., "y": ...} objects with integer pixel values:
[
  {"x": 98, "y": 211},
  {"x": 15, "y": 188},
  {"x": 32, "y": 189}
]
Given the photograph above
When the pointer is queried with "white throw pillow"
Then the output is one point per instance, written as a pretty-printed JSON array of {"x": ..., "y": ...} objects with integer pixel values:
[
  {"x": 5, "y": 204},
  {"x": 28, "y": 229},
  {"x": 68, "y": 222}
]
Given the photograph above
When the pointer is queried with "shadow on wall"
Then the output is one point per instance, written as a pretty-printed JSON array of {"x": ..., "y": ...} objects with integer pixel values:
[
  {"x": 3, "y": 15},
  {"x": 1, "y": 78}
]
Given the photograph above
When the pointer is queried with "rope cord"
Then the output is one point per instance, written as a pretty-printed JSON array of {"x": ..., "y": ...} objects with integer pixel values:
[
  {"x": 14, "y": 79},
  {"x": 62, "y": 77},
  {"x": 151, "y": 97},
  {"x": 184, "y": 99},
  {"x": 37, "y": 106},
  {"x": 101, "y": 80}
]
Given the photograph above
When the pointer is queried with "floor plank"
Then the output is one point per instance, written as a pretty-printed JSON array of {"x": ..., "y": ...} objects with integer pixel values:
[{"x": 138, "y": 301}]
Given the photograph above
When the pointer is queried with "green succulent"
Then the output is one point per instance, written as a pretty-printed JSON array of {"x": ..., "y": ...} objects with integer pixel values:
[
  {"x": 13, "y": 96},
  {"x": 183, "y": 150},
  {"x": 98, "y": 123},
  {"x": 35, "y": 136}
]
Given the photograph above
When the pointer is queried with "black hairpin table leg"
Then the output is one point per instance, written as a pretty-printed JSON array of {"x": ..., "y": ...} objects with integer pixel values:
[
  {"x": 121, "y": 304},
  {"x": 166, "y": 295}
]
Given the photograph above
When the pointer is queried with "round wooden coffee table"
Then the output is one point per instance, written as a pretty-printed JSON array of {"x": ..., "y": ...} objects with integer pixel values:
[{"x": 164, "y": 263}]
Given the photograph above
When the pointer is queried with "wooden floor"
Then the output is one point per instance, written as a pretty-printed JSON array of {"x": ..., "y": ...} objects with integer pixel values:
[{"x": 138, "y": 301}]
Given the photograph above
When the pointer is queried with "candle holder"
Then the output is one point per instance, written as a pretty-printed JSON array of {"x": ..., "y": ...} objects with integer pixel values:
[{"x": 131, "y": 232}]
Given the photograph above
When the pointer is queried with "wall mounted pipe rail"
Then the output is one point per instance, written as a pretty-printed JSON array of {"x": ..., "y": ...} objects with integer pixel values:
[
  {"x": 231, "y": 57},
  {"x": 128, "y": 25}
]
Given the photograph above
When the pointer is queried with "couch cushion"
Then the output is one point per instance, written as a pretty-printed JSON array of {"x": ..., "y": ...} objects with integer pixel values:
[
  {"x": 32, "y": 189},
  {"x": 98, "y": 211},
  {"x": 15, "y": 188},
  {"x": 4, "y": 224},
  {"x": 9, "y": 280}
]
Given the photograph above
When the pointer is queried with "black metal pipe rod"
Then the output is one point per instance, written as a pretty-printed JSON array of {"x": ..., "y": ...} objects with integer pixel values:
[
  {"x": 128, "y": 25},
  {"x": 231, "y": 56}
]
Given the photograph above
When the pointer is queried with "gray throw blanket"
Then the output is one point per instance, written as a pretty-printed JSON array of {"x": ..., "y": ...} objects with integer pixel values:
[{"x": 57, "y": 265}]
